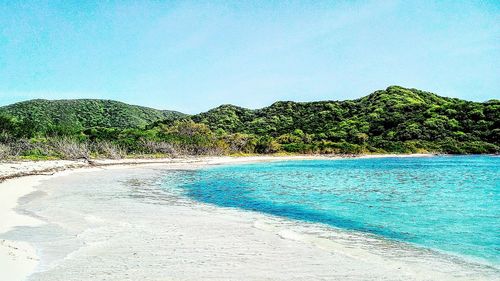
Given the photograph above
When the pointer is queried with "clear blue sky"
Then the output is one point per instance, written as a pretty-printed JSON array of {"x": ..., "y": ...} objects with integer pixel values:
[{"x": 192, "y": 56}]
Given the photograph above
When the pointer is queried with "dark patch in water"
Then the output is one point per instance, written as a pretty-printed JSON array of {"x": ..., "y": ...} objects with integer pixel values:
[{"x": 236, "y": 194}]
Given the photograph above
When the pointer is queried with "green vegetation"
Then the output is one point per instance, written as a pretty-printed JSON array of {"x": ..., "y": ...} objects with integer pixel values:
[
  {"x": 395, "y": 120},
  {"x": 67, "y": 117}
]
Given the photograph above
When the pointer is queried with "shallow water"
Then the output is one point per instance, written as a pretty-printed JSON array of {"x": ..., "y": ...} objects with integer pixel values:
[{"x": 445, "y": 203}]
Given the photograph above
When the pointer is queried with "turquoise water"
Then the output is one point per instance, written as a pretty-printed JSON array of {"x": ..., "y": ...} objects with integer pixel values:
[{"x": 445, "y": 203}]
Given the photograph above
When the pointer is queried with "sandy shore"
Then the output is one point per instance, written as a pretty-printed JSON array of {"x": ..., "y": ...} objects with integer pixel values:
[
  {"x": 19, "y": 178},
  {"x": 219, "y": 243}
]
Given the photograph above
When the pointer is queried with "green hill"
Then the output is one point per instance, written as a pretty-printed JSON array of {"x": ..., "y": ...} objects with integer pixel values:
[
  {"x": 380, "y": 119},
  {"x": 394, "y": 120},
  {"x": 46, "y": 115}
]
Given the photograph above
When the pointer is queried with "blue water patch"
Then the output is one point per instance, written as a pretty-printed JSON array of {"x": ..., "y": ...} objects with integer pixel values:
[{"x": 445, "y": 203}]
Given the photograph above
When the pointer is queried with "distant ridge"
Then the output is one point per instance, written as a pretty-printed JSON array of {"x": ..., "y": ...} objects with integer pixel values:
[
  {"x": 395, "y": 119},
  {"x": 393, "y": 114},
  {"x": 85, "y": 113}
]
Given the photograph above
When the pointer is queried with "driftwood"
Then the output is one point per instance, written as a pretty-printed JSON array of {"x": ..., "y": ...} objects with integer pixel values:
[
  {"x": 44, "y": 172},
  {"x": 91, "y": 163}
]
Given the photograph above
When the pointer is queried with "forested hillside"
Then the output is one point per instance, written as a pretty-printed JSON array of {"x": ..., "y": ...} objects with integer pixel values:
[
  {"x": 395, "y": 120},
  {"x": 395, "y": 113},
  {"x": 390, "y": 119},
  {"x": 71, "y": 116}
]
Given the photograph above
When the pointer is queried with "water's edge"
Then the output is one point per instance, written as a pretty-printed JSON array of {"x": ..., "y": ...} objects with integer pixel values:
[
  {"x": 322, "y": 236},
  {"x": 465, "y": 257}
]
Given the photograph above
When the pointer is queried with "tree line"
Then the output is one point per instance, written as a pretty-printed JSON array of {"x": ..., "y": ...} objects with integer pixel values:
[{"x": 394, "y": 120}]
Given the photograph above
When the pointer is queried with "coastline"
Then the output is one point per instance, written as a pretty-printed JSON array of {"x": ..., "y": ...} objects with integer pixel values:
[
  {"x": 20, "y": 258},
  {"x": 19, "y": 178}
]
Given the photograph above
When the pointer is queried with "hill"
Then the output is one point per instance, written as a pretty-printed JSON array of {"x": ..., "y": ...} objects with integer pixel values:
[
  {"x": 380, "y": 119},
  {"x": 46, "y": 115},
  {"x": 394, "y": 120}
]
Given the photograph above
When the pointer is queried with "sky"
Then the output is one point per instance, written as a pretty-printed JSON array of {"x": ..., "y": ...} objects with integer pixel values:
[{"x": 191, "y": 56}]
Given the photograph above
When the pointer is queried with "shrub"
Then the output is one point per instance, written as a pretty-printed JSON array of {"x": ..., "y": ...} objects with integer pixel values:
[
  {"x": 67, "y": 148},
  {"x": 4, "y": 151},
  {"x": 267, "y": 144},
  {"x": 107, "y": 149},
  {"x": 158, "y": 147}
]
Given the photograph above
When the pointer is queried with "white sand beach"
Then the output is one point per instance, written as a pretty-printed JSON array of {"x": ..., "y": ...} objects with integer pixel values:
[
  {"x": 18, "y": 259},
  {"x": 113, "y": 222}
]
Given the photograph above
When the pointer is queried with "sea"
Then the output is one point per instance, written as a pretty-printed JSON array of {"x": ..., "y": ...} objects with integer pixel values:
[{"x": 449, "y": 204}]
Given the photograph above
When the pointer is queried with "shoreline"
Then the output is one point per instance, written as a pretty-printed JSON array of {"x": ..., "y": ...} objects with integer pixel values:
[
  {"x": 19, "y": 178},
  {"x": 20, "y": 258},
  {"x": 10, "y": 169}
]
